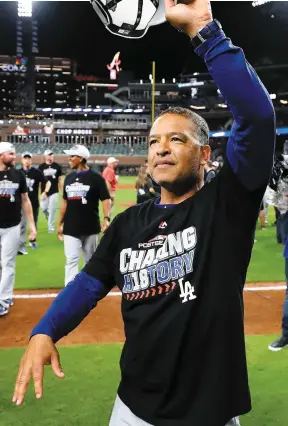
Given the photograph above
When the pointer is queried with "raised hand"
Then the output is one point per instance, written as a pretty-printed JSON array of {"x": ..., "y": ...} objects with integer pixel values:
[{"x": 188, "y": 16}]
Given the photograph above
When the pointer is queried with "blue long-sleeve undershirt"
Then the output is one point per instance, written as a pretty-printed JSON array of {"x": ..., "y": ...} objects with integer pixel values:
[
  {"x": 249, "y": 150},
  {"x": 71, "y": 306},
  {"x": 251, "y": 145}
]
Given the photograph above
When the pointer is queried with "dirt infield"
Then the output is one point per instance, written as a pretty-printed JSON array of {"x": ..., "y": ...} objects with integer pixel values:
[
  {"x": 126, "y": 186},
  {"x": 263, "y": 311}
]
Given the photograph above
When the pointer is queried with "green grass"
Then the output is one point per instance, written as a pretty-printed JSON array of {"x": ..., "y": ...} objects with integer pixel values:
[
  {"x": 267, "y": 262},
  {"x": 44, "y": 268},
  {"x": 86, "y": 395}
]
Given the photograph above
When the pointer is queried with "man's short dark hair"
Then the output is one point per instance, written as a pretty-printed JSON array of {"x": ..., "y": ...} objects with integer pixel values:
[{"x": 201, "y": 126}]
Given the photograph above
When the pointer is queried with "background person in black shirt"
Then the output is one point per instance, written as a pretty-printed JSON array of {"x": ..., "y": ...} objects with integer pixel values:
[
  {"x": 33, "y": 179},
  {"x": 144, "y": 185},
  {"x": 180, "y": 264},
  {"x": 51, "y": 171},
  {"x": 13, "y": 195},
  {"x": 79, "y": 223}
]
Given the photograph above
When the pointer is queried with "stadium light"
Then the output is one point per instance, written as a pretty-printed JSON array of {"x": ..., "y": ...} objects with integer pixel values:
[
  {"x": 197, "y": 107},
  {"x": 107, "y": 110},
  {"x": 256, "y": 3},
  {"x": 128, "y": 110},
  {"x": 25, "y": 8},
  {"x": 273, "y": 96},
  {"x": 97, "y": 110},
  {"x": 118, "y": 110},
  {"x": 218, "y": 134}
]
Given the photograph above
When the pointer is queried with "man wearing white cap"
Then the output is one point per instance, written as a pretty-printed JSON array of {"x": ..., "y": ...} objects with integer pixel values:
[
  {"x": 52, "y": 171},
  {"x": 13, "y": 195},
  {"x": 110, "y": 176},
  {"x": 33, "y": 179},
  {"x": 79, "y": 223}
]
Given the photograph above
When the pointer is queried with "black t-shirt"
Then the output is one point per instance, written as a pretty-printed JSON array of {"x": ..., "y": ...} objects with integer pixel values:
[
  {"x": 51, "y": 172},
  {"x": 83, "y": 191},
  {"x": 143, "y": 193},
  {"x": 181, "y": 271},
  {"x": 33, "y": 179},
  {"x": 12, "y": 185}
]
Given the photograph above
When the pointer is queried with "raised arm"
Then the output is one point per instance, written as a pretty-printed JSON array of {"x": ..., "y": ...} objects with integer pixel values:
[{"x": 250, "y": 148}]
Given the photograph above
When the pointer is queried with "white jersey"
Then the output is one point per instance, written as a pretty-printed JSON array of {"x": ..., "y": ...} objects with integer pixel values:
[{"x": 126, "y": 18}]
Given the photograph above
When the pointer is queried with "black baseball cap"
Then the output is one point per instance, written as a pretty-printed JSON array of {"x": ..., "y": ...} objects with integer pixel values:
[{"x": 27, "y": 154}]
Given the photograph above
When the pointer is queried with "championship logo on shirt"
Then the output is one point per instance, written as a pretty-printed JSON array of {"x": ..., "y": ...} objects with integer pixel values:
[
  {"x": 159, "y": 266},
  {"x": 30, "y": 183},
  {"x": 77, "y": 191},
  {"x": 8, "y": 189},
  {"x": 50, "y": 172}
]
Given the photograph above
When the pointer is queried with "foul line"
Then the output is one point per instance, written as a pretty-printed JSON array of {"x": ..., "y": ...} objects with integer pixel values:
[{"x": 118, "y": 293}]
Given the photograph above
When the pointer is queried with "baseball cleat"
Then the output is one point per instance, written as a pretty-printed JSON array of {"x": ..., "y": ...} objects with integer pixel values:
[
  {"x": 22, "y": 251},
  {"x": 3, "y": 310},
  {"x": 33, "y": 245},
  {"x": 279, "y": 344}
]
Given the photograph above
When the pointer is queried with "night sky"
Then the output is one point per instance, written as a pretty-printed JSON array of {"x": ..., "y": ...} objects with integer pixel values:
[{"x": 73, "y": 30}]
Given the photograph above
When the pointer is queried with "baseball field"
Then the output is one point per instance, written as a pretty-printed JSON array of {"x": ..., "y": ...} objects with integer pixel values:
[{"x": 90, "y": 354}]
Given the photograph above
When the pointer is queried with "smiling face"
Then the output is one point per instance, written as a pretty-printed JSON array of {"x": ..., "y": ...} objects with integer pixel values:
[
  {"x": 74, "y": 161},
  {"x": 176, "y": 158}
]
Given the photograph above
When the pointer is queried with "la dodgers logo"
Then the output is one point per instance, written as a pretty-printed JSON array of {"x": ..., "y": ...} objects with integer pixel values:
[
  {"x": 8, "y": 189},
  {"x": 77, "y": 191}
]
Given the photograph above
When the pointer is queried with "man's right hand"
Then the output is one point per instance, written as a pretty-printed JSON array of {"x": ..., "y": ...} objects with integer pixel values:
[
  {"x": 189, "y": 16},
  {"x": 40, "y": 351}
]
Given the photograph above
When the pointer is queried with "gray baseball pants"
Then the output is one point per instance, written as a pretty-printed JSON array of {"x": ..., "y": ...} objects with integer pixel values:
[
  {"x": 49, "y": 207},
  {"x": 23, "y": 226},
  {"x": 73, "y": 247},
  {"x": 123, "y": 416},
  {"x": 9, "y": 243}
]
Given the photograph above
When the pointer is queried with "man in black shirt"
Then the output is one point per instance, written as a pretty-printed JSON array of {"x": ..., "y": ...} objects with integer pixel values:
[
  {"x": 51, "y": 171},
  {"x": 79, "y": 223},
  {"x": 180, "y": 262},
  {"x": 13, "y": 195},
  {"x": 33, "y": 179}
]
